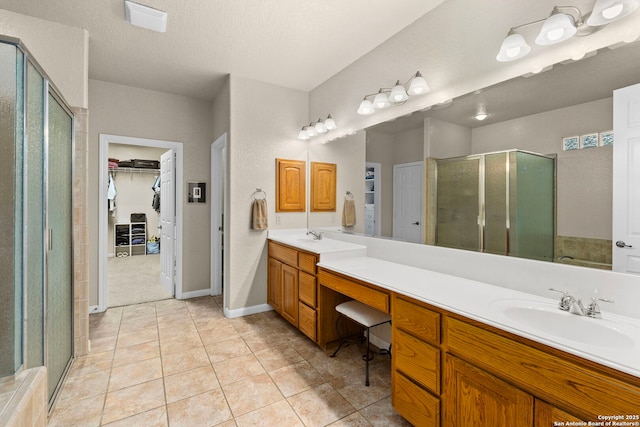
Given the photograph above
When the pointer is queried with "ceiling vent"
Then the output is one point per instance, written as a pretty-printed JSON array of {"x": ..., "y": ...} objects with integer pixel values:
[{"x": 145, "y": 17}]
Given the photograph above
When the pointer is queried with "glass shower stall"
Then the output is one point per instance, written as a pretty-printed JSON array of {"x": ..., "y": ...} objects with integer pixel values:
[
  {"x": 501, "y": 203},
  {"x": 36, "y": 219}
]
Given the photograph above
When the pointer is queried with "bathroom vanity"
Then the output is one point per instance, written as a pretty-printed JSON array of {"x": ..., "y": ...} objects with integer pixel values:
[{"x": 470, "y": 353}]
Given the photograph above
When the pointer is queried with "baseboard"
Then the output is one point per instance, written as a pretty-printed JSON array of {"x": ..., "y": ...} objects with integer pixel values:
[
  {"x": 245, "y": 311},
  {"x": 382, "y": 345},
  {"x": 195, "y": 294}
]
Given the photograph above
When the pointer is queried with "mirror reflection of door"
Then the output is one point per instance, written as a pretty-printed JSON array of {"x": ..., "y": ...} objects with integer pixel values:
[{"x": 407, "y": 201}]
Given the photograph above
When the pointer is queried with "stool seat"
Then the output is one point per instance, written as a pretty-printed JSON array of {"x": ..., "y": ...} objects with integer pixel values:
[{"x": 362, "y": 313}]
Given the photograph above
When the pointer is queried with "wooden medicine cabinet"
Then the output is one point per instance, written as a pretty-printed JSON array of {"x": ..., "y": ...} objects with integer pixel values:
[
  {"x": 290, "y": 185},
  {"x": 323, "y": 187}
]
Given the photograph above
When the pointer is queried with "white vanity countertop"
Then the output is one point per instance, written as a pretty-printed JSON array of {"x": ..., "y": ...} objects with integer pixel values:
[
  {"x": 474, "y": 300},
  {"x": 328, "y": 249}
]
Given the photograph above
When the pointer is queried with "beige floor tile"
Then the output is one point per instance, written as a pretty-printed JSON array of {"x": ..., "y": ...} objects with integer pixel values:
[
  {"x": 320, "y": 406},
  {"x": 228, "y": 423},
  {"x": 136, "y": 353},
  {"x": 176, "y": 317},
  {"x": 228, "y": 349},
  {"x": 190, "y": 383},
  {"x": 259, "y": 341},
  {"x": 169, "y": 305},
  {"x": 250, "y": 324},
  {"x": 153, "y": 418},
  {"x": 138, "y": 311},
  {"x": 222, "y": 331},
  {"x": 237, "y": 369},
  {"x": 79, "y": 413},
  {"x": 296, "y": 378},
  {"x": 177, "y": 331},
  {"x": 382, "y": 414},
  {"x": 276, "y": 414},
  {"x": 184, "y": 361},
  {"x": 251, "y": 394},
  {"x": 135, "y": 373},
  {"x": 82, "y": 387},
  {"x": 206, "y": 409},
  {"x": 354, "y": 420},
  {"x": 131, "y": 324},
  {"x": 188, "y": 340},
  {"x": 352, "y": 387},
  {"x": 126, "y": 339},
  {"x": 278, "y": 357},
  {"x": 91, "y": 363},
  {"x": 133, "y": 400},
  {"x": 100, "y": 345},
  {"x": 346, "y": 361}
]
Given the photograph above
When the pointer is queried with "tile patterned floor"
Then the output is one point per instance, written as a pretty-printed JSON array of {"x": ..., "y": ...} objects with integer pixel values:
[{"x": 182, "y": 363}]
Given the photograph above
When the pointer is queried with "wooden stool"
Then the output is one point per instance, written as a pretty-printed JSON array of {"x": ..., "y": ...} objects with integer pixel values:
[{"x": 366, "y": 316}]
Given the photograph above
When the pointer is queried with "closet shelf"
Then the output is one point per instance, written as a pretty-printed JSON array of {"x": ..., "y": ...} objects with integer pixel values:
[{"x": 134, "y": 170}]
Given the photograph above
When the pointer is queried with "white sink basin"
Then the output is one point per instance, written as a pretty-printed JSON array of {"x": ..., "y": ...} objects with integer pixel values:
[{"x": 549, "y": 319}]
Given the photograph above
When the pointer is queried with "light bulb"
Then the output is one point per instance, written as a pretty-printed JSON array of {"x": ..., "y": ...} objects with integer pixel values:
[
  {"x": 330, "y": 124},
  {"x": 612, "y": 11},
  {"x": 319, "y": 127},
  {"x": 303, "y": 134},
  {"x": 558, "y": 27},
  {"x": 513, "y": 47},
  {"x": 311, "y": 130},
  {"x": 398, "y": 93},
  {"x": 366, "y": 107},
  {"x": 381, "y": 101},
  {"x": 418, "y": 85}
]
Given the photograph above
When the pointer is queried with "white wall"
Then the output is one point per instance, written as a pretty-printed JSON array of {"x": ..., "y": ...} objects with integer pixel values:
[
  {"x": 264, "y": 124},
  {"x": 443, "y": 139},
  {"x": 62, "y": 51},
  {"x": 123, "y": 110}
]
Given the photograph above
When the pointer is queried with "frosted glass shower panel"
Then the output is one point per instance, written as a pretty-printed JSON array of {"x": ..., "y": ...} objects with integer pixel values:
[
  {"x": 496, "y": 206},
  {"x": 532, "y": 206},
  {"x": 458, "y": 204}
]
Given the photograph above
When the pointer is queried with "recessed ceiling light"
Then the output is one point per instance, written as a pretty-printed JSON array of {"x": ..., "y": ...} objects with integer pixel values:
[
  {"x": 145, "y": 17},
  {"x": 481, "y": 116}
]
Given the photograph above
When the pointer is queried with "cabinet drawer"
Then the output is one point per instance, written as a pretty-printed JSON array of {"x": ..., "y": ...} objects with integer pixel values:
[
  {"x": 307, "y": 262},
  {"x": 417, "y": 360},
  {"x": 563, "y": 381},
  {"x": 418, "y": 406},
  {"x": 307, "y": 293},
  {"x": 365, "y": 294},
  {"x": 417, "y": 320},
  {"x": 307, "y": 321},
  {"x": 284, "y": 254}
]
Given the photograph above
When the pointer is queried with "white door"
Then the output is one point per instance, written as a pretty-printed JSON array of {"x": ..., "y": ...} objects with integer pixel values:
[
  {"x": 167, "y": 220},
  {"x": 626, "y": 180},
  {"x": 407, "y": 202}
]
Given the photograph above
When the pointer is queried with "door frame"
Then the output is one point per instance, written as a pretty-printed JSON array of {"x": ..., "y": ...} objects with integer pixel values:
[
  {"x": 219, "y": 194},
  {"x": 177, "y": 147}
]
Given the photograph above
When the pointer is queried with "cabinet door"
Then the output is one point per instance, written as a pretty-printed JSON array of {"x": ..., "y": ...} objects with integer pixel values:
[
  {"x": 476, "y": 398},
  {"x": 548, "y": 415},
  {"x": 274, "y": 284},
  {"x": 290, "y": 185},
  {"x": 289, "y": 280},
  {"x": 323, "y": 187}
]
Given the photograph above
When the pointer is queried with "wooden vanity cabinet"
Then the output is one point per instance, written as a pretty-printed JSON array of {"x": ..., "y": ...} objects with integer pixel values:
[
  {"x": 292, "y": 286},
  {"x": 475, "y": 374}
]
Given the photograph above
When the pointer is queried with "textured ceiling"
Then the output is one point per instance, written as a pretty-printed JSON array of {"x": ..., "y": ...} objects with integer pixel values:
[{"x": 292, "y": 43}]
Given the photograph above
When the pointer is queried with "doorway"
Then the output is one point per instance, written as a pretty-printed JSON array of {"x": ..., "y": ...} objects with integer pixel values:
[
  {"x": 219, "y": 202},
  {"x": 127, "y": 258}
]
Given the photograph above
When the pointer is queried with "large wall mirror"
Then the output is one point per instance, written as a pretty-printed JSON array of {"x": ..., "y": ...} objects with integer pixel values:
[{"x": 530, "y": 114}]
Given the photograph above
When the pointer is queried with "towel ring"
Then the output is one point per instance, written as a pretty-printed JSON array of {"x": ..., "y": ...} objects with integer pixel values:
[
  {"x": 258, "y": 191},
  {"x": 349, "y": 195}
]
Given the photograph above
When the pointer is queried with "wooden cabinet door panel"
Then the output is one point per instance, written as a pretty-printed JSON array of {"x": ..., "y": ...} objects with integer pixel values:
[
  {"x": 548, "y": 415},
  {"x": 476, "y": 398},
  {"x": 417, "y": 359},
  {"x": 290, "y": 186},
  {"x": 307, "y": 321},
  {"x": 289, "y": 280},
  {"x": 274, "y": 284},
  {"x": 323, "y": 187},
  {"x": 418, "y": 406}
]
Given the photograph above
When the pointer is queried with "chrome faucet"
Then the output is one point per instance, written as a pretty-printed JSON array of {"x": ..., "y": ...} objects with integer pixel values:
[
  {"x": 317, "y": 235},
  {"x": 575, "y": 306}
]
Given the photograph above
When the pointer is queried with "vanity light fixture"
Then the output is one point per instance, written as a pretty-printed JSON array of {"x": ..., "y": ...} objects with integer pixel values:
[
  {"x": 563, "y": 23},
  {"x": 396, "y": 95},
  {"x": 317, "y": 128},
  {"x": 145, "y": 16}
]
